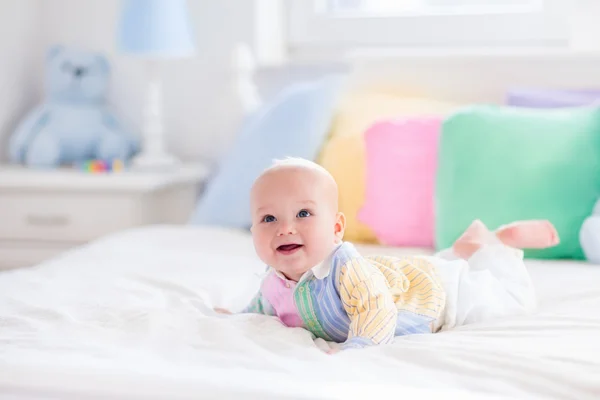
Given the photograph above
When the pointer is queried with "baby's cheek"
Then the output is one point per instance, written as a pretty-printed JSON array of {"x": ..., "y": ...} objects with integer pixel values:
[
  {"x": 323, "y": 245},
  {"x": 260, "y": 244}
]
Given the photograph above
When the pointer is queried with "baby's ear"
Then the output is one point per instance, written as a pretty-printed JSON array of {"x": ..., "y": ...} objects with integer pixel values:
[{"x": 340, "y": 225}]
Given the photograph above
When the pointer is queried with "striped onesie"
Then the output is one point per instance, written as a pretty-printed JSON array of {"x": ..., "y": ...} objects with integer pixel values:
[
  {"x": 354, "y": 300},
  {"x": 360, "y": 301}
]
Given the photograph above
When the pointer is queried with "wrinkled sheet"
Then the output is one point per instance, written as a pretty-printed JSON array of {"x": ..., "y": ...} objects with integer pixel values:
[{"x": 131, "y": 315}]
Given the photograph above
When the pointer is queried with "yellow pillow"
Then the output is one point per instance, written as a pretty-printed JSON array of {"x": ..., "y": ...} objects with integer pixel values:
[{"x": 343, "y": 155}]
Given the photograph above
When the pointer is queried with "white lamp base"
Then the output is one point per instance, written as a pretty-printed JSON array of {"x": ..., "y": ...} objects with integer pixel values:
[{"x": 154, "y": 155}]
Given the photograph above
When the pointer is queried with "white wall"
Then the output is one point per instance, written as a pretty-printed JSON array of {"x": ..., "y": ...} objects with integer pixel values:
[
  {"x": 471, "y": 77},
  {"x": 18, "y": 57}
]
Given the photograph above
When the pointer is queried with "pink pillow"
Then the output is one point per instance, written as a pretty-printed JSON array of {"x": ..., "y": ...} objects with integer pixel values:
[{"x": 401, "y": 162}]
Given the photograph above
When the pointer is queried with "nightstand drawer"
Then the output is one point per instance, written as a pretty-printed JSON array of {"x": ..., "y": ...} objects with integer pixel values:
[
  {"x": 27, "y": 253},
  {"x": 63, "y": 217}
]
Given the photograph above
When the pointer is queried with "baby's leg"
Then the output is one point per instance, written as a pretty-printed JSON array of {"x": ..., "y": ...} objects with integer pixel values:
[
  {"x": 532, "y": 234},
  {"x": 496, "y": 284},
  {"x": 474, "y": 238},
  {"x": 476, "y": 235}
]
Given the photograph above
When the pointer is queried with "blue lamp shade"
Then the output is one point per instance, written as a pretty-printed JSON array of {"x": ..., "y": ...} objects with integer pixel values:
[{"x": 155, "y": 28}]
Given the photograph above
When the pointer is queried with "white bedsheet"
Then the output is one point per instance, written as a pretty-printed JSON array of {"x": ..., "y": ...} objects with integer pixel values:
[{"x": 131, "y": 315}]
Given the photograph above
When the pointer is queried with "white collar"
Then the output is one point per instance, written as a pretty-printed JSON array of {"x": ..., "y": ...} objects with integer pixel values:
[{"x": 320, "y": 271}]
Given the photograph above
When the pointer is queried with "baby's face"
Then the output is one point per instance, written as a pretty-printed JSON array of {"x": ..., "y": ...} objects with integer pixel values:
[{"x": 295, "y": 223}]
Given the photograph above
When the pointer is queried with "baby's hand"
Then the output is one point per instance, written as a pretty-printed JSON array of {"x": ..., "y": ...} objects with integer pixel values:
[
  {"x": 222, "y": 311},
  {"x": 332, "y": 351}
]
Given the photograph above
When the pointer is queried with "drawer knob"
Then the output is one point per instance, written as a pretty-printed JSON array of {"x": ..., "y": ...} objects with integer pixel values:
[{"x": 48, "y": 220}]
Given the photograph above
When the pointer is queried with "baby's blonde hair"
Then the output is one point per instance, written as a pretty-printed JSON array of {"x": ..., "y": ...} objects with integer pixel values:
[{"x": 296, "y": 162}]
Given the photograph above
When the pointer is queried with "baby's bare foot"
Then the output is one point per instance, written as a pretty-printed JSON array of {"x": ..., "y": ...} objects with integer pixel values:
[
  {"x": 530, "y": 234},
  {"x": 476, "y": 235},
  {"x": 222, "y": 311}
]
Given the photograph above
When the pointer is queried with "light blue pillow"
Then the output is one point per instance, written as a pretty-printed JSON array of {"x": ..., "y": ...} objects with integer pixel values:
[{"x": 294, "y": 124}]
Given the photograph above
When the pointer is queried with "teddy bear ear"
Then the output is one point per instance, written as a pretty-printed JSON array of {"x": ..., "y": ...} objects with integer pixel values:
[
  {"x": 103, "y": 62},
  {"x": 54, "y": 51}
]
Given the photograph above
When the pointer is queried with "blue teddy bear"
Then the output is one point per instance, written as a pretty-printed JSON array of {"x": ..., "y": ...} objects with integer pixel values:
[{"x": 74, "y": 124}]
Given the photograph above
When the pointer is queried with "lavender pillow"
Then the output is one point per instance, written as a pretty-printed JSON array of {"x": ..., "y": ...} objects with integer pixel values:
[{"x": 552, "y": 98}]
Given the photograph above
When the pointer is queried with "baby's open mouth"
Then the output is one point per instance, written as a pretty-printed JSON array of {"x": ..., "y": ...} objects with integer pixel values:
[{"x": 289, "y": 248}]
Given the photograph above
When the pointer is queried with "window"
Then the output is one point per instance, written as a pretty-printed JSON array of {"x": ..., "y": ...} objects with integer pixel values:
[{"x": 428, "y": 23}]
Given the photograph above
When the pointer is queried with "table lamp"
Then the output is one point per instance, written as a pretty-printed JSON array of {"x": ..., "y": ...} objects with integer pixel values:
[{"x": 154, "y": 30}]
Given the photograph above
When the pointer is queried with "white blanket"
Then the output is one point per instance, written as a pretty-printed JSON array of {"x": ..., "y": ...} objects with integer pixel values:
[{"x": 131, "y": 315}]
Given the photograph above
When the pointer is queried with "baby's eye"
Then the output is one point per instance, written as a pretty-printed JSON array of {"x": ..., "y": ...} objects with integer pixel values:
[
  {"x": 303, "y": 214},
  {"x": 268, "y": 218}
]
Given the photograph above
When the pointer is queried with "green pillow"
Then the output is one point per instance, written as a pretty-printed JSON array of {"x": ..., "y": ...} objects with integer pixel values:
[{"x": 502, "y": 164}]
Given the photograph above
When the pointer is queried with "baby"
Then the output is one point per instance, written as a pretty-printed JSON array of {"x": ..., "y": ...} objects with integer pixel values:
[{"x": 320, "y": 283}]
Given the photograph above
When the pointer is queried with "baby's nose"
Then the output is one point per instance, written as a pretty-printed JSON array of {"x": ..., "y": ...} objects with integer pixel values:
[{"x": 286, "y": 229}]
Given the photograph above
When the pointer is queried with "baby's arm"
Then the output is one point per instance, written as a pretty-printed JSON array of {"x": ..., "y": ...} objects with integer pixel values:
[
  {"x": 369, "y": 303},
  {"x": 259, "y": 305}
]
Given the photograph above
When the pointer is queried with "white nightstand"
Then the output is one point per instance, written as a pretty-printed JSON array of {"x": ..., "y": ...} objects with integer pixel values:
[{"x": 43, "y": 213}]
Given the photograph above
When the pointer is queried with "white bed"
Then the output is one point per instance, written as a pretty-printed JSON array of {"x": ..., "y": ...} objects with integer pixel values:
[{"x": 129, "y": 316}]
